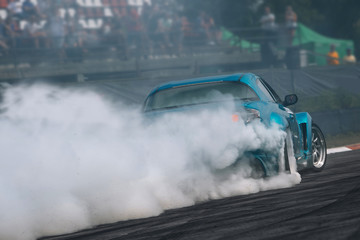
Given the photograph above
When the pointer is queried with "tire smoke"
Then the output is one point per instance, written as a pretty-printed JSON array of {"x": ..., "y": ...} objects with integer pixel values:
[{"x": 72, "y": 160}]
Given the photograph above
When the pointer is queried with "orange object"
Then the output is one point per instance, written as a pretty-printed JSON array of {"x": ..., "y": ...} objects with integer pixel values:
[
  {"x": 354, "y": 147},
  {"x": 333, "y": 58},
  {"x": 235, "y": 118}
]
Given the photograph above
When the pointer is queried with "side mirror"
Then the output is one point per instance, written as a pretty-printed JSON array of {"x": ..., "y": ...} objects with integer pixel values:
[{"x": 290, "y": 100}]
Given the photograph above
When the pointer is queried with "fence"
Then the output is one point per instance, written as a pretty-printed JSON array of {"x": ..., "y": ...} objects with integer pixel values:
[{"x": 241, "y": 48}]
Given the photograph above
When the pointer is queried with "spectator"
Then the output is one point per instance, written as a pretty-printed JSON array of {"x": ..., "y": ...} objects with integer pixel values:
[
  {"x": 35, "y": 31},
  {"x": 56, "y": 31},
  {"x": 14, "y": 32},
  {"x": 165, "y": 26},
  {"x": 186, "y": 26},
  {"x": 28, "y": 9},
  {"x": 268, "y": 47},
  {"x": 349, "y": 58},
  {"x": 73, "y": 41},
  {"x": 162, "y": 32},
  {"x": 333, "y": 56},
  {"x": 146, "y": 12},
  {"x": 201, "y": 29},
  {"x": 209, "y": 25},
  {"x": 152, "y": 28},
  {"x": 109, "y": 38},
  {"x": 15, "y": 9},
  {"x": 133, "y": 29},
  {"x": 268, "y": 20},
  {"x": 291, "y": 23}
]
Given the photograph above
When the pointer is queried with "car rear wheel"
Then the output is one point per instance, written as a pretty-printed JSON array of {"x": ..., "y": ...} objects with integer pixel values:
[
  {"x": 318, "y": 144},
  {"x": 257, "y": 169}
]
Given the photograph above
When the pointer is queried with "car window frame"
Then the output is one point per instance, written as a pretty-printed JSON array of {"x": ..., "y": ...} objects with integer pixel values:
[{"x": 274, "y": 96}]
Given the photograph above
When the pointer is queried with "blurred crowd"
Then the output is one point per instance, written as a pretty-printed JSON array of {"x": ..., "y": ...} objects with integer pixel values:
[
  {"x": 152, "y": 29},
  {"x": 270, "y": 28},
  {"x": 62, "y": 25}
]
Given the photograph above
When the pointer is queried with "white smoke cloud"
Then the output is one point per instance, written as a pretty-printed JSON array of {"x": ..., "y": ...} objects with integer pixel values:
[{"x": 72, "y": 160}]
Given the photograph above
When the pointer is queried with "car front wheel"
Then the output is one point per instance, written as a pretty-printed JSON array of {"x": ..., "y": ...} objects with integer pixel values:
[{"x": 318, "y": 144}]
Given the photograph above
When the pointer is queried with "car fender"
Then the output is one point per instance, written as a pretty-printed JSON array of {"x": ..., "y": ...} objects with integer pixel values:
[{"x": 278, "y": 119}]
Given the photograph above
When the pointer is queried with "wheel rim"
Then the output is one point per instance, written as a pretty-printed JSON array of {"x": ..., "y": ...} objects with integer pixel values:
[{"x": 318, "y": 148}]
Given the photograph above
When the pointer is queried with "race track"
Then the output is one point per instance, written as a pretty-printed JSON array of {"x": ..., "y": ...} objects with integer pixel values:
[{"x": 325, "y": 205}]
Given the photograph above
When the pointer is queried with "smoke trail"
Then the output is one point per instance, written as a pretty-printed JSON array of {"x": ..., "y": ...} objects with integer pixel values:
[{"x": 71, "y": 160}]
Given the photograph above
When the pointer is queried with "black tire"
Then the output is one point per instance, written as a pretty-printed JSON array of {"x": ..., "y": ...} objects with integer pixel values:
[{"x": 319, "y": 150}]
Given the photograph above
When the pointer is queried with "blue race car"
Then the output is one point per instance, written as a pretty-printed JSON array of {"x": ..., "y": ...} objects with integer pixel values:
[{"x": 258, "y": 100}]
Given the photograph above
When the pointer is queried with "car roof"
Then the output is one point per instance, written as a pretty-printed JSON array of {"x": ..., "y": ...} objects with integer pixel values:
[{"x": 238, "y": 77}]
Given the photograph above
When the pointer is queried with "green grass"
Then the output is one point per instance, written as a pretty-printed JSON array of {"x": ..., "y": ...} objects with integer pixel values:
[{"x": 342, "y": 139}]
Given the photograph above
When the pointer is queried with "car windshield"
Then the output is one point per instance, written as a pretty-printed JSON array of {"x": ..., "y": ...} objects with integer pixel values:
[{"x": 200, "y": 94}]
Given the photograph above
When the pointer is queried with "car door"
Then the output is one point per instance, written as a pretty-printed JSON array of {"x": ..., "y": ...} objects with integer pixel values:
[{"x": 288, "y": 114}]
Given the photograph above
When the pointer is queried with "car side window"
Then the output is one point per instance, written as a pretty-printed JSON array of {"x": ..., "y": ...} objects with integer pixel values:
[
  {"x": 267, "y": 89},
  {"x": 272, "y": 92},
  {"x": 264, "y": 90}
]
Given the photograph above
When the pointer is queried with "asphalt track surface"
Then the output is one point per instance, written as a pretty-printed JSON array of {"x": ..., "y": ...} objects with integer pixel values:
[{"x": 325, "y": 205}]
